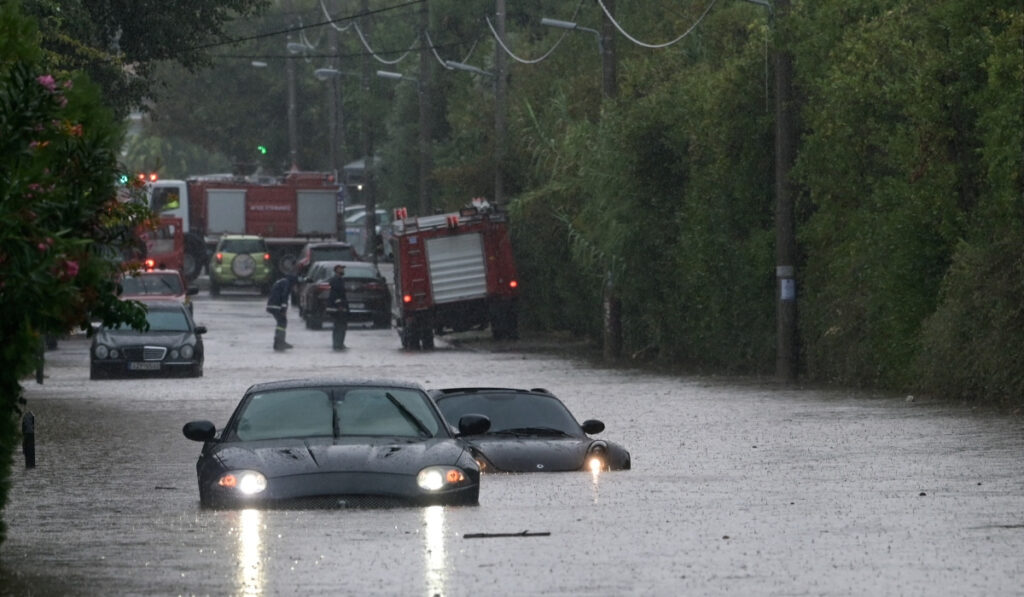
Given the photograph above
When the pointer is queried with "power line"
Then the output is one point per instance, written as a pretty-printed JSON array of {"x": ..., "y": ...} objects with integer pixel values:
[
  {"x": 303, "y": 27},
  {"x": 636, "y": 41}
]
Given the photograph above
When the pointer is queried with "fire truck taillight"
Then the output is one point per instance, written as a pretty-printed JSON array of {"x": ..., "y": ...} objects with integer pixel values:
[
  {"x": 406, "y": 298},
  {"x": 150, "y": 264}
]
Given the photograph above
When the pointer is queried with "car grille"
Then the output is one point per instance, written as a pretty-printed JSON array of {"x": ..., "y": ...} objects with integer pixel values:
[
  {"x": 145, "y": 353},
  {"x": 340, "y": 501}
]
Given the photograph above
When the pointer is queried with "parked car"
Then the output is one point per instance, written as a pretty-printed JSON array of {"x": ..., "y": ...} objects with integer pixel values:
[
  {"x": 366, "y": 289},
  {"x": 531, "y": 431},
  {"x": 355, "y": 231},
  {"x": 325, "y": 251},
  {"x": 322, "y": 251},
  {"x": 335, "y": 443},
  {"x": 240, "y": 260},
  {"x": 156, "y": 284},
  {"x": 173, "y": 345}
]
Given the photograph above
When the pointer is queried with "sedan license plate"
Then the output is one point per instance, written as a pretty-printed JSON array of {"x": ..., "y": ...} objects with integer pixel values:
[
  {"x": 356, "y": 305},
  {"x": 144, "y": 366}
]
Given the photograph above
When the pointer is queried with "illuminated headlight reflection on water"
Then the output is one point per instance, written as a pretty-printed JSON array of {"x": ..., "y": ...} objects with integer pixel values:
[
  {"x": 250, "y": 553},
  {"x": 436, "y": 564}
]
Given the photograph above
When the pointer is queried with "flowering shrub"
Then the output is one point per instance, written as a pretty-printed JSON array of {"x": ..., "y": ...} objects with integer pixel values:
[{"x": 61, "y": 224}]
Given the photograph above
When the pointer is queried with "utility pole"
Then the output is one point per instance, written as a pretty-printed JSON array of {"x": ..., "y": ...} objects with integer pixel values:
[
  {"x": 609, "y": 90},
  {"x": 293, "y": 129},
  {"x": 500, "y": 104},
  {"x": 425, "y": 96},
  {"x": 370, "y": 234},
  {"x": 785, "y": 237}
]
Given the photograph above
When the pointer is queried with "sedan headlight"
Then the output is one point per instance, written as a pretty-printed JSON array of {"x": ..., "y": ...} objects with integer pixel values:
[
  {"x": 187, "y": 351},
  {"x": 101, "y": 351},
  {"x": 597, "y": 457},
  {"x": 436, "y": 478},
  {"x": 245, "y": 482}
]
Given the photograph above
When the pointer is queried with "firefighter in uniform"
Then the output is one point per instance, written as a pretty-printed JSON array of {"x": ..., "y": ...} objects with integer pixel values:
[
  {"x": 337, "y": 307},
  {"x": 277, "y": 305}
]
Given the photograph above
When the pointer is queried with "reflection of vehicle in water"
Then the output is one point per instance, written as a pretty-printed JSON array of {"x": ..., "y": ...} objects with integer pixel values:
[{"x": 286, "y": 212}]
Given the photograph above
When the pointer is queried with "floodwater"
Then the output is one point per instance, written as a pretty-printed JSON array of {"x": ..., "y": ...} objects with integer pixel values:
[{"x": 737, "y": 488}]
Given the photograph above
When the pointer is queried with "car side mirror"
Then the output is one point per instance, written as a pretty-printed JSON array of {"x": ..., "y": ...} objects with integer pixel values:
[
  {"x": 592, "y": 426},
  {"x": 200, "y": 329},
  {"x": 192, "y": 290},
  {"x": 473, "y": 424},
  {"x": 199, "y": 431}
]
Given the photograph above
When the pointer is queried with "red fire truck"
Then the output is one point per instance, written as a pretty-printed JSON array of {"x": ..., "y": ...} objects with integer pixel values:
[
  {"x": 164, "y": 244},
  {"x": 287, "y": 212},
  {"x": 453, "y": 272}
]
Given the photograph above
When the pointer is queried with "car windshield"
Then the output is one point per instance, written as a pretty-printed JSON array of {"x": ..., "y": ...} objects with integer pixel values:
[
  {"x": 243, "y": 245},
  {"x": 333, "y": 254},
  {"x": 161, "y": 284},
  {"x": 351, "y": 271},
  {"x": 511, "y": 411},
  {"x": 335, "y": 412},
  {"x": 162, "y": 320}
]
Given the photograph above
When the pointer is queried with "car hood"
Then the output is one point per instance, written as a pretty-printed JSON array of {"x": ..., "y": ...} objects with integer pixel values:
[
  {"x": 132, "y": 337},
  {"x": 533, "y": 454},
  {"x": 354, "y": 454}
]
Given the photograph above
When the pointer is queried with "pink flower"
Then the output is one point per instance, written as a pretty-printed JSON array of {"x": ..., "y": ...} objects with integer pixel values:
[
  {"x": 70, "y": 269},
  {"x": 42, "y": 247},
  {"x": 47, "y": 82}
]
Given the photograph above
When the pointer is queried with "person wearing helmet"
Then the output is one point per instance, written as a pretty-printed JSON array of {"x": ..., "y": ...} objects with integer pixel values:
[
  {"x": 337, "y": 307},
  {"x": 277, "y": 305}
]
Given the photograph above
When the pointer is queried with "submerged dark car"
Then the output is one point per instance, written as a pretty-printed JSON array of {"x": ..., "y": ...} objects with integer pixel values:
[
  {"x": 530, "y": 431},
  {"x": 335, "y": 443},
  {"x": 173, "y": 345}
]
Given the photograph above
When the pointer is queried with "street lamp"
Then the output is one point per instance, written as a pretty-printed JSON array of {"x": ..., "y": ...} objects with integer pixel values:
[
  {"x": 573, "y": 27},
  {"x": 386, "y": 74},
  {"x": 453, "y": 65}
]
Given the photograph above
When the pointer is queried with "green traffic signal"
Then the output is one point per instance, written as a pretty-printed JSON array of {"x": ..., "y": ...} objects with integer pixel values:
[
  {"x": 262, "y": 149},
  {"x": 124, "y": 179}
]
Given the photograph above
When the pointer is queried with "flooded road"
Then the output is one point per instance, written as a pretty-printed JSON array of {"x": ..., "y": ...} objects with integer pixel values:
[{"x": 736, "y": 488}]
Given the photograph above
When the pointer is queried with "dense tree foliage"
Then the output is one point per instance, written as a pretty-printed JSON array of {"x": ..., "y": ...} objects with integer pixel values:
[{"x": 61, "y": 222}]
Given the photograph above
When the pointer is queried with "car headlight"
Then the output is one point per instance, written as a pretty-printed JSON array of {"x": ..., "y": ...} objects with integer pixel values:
[
  {"x": 187, "y": 351},
  {"x": 244, "y": 482},
  {"x": 101, "y": 351},
  {"x": 436, "y": 478},
  {"x": 597, "y": 457},
  {"x": 173, "y": 354}
]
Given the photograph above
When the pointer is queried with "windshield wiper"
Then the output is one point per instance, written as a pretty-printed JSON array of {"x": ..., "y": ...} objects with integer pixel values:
[
  {"x": 551, "y": 431},
  {"x": 408, "y": 415}
]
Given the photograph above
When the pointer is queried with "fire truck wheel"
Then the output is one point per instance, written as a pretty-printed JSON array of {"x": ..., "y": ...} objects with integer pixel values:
[
  {"x": 410, "y": 340},
  {"x": 427, "y": 339}
]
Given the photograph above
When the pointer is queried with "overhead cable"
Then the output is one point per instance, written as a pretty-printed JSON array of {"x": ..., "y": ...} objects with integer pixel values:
[
  {"x": 501, "y": 42},
  {"x": 444, "y": 63},
  {"x": 366, "y": 45},
  {"x": 330, "y": 19},
  {"x": 655, "y": 46},
  {"x": 300, "y": 28}
]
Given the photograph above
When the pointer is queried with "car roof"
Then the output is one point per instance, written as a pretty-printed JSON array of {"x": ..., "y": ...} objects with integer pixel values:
[
  {"x": 312, "y": 382},
  {"x": 442, "y": 392},
  {"x": 329, "y": 243},
  {"x": 237, "y": 236}
]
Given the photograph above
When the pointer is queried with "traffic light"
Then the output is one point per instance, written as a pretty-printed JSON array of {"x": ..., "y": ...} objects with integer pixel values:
[
  {"x": 262, "y": 149},
  {"x": 123, "y": 178}
]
